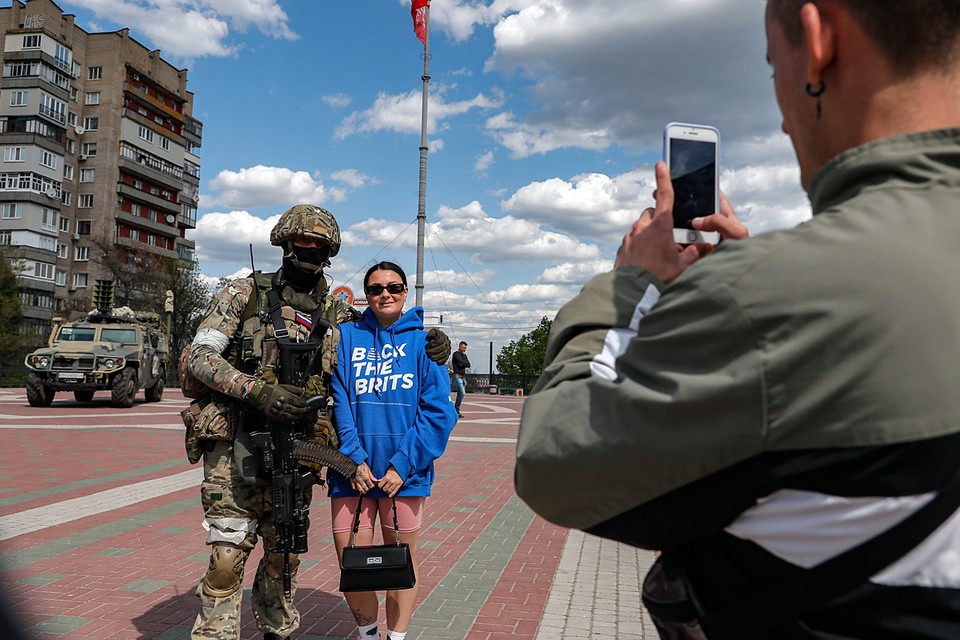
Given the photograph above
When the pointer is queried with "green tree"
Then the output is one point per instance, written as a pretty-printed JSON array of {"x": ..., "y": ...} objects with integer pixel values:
[
  {"x": 191, "y": 295},
  {"x": 525, "y": 356},
  {"x": 10, "y": 314}
]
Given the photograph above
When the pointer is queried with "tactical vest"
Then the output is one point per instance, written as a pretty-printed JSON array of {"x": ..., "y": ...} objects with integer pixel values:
[{"x": 255, "y": 349}]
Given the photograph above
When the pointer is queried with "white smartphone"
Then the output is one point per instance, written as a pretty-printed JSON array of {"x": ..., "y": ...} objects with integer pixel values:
[{"x": 692, "y": 151}]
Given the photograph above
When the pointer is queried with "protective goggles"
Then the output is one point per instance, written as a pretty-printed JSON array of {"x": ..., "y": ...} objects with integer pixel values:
[{"x": 377, "y": 289}]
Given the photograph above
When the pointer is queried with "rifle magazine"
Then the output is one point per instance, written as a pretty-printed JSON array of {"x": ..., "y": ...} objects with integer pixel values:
[{"x": 326, "y": 456}]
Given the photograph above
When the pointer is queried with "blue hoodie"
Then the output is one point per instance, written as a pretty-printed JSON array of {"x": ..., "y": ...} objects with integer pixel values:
[{"x": 391, "y": 403}]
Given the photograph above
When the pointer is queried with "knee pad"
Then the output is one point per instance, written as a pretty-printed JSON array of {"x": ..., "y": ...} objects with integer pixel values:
[{"x": 224, "y": 575}]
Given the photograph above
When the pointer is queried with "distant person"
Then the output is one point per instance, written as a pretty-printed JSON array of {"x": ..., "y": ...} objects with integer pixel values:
[
  {"x": 460, "y": 363},
  {"x": 393, "y": 416},
  {"x": 781, "y": 418}
]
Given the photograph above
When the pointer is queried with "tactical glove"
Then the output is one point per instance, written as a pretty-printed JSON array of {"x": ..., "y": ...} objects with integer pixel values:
[
  {"x": 277, "y": 402},
  {"x": 438, "y": 346}
]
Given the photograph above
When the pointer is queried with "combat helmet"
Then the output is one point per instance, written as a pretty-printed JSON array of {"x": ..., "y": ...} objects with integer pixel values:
[{"x": 307, "y": 221}]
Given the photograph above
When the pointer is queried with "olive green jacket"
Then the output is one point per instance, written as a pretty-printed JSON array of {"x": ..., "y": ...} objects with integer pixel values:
[{"x": 841, "y": 332}]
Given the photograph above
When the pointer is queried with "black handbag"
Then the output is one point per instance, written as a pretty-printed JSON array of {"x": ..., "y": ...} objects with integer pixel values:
[{"x": 384, "y": 567}]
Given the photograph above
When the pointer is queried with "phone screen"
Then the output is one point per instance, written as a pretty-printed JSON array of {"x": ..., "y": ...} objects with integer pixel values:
[{"x": 693, "y": 171}]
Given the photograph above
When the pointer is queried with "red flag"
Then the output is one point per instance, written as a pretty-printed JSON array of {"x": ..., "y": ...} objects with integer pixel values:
[{"x": 419, "y": 10}]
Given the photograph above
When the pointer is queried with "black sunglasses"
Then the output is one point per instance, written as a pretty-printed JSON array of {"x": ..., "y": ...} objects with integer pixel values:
[{"x": 377, "y": 289}]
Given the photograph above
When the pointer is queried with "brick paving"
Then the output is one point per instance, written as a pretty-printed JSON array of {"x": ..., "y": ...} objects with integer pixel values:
[{"x": 100, "y": 536}]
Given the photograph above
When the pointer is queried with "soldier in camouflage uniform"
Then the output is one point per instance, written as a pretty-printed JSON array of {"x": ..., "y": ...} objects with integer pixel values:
[{"x": 235, "y": 353}]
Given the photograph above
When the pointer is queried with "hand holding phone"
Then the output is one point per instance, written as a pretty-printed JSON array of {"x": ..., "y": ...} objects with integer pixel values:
[{"x": 692, "y": 154}]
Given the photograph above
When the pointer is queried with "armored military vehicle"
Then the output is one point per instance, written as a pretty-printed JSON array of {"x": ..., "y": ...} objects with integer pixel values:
[{"x": 115, "y": 350}]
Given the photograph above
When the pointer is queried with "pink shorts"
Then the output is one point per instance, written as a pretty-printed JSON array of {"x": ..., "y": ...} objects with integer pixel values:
[{"x": 409, "y": 513}]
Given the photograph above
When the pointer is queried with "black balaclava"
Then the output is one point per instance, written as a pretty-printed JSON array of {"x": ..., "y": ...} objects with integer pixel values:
[{"x": 303, "y": 266}]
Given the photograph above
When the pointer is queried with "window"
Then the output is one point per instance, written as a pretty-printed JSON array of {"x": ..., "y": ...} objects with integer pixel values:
[
  {"x": 71, "y": 146},
  {"x": 137, "y": 184},
  {"x": 19, "y": 98},
  {"x": 92, "y": 97},
  {"x": 71, "y": 118},
  {"x": 47, "y": 159},
  {"x": 91, "y": 124},
  {"x": 61, "y": 57},
  {"x": 62, "y": 275},
  {"x": 135, "y": 209},
  {"x": 43, "y": 270},
  {"x": 31, "y": 41},
  {"x": 145, "y": 133},
  {"x": 88, "y": 175},
  {"x": 66, "y": 198},
  {"x": 88, "y": 149},
  {"x": 14, "y": 154},
  {"x": 5, "y": 238},
  {"x": 68, "y": 172},
  {"x": 12, "y": 210},
  {"x": 134, "y": 234},
  {"x": 164, "y": 143},
  {"x": 83, "y": 227},
  {"x": 62, "y": 251},
  {"x": 85, "y": 201},
  {"x": 151, "y": 239},
  {"x": 65, "y": 226},
  {"x": 47, "y": 243},
  {"x": 79, "y": 280},
  {"x": 95, "y": 73},
  {"x": 152, "y": 215},
  {"x": 49, "y": 219},
  {"x": 74, "y": 92},
  {"x": 81, "y": 254}
]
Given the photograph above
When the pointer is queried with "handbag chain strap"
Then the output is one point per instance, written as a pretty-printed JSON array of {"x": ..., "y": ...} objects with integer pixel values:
[{"x": 356, "y": 521}]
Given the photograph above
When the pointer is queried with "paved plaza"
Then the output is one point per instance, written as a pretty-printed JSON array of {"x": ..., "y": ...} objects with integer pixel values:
[{"x": 100, "y": 536}]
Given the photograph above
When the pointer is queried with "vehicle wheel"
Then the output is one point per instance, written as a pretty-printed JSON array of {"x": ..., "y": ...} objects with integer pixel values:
[
  {"x": 124, "y": 388},
  {"x": 83, "y": 396},
  {"x": 38, "y": 394},
  {"x": 155, "y": 393}
]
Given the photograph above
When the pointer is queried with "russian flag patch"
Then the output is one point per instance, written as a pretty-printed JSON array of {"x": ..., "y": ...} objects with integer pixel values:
[{"x": 304, "y": 320}]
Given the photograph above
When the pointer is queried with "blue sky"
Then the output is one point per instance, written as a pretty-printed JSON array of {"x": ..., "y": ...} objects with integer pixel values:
[{"x": 545, "y": 119}]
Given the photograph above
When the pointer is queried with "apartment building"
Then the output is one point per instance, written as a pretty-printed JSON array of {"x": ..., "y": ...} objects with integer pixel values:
[{"x": 99, "y": 155}]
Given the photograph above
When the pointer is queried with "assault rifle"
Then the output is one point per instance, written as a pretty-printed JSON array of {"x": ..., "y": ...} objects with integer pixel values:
[{"x": 283, "y": 447}]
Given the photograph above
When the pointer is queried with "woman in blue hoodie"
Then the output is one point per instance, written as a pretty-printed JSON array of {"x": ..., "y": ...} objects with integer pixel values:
[{"x": 393, "y": 417}]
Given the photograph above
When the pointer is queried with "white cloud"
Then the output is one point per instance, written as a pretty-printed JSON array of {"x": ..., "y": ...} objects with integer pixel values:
[
  {"x": 193, "y": 28},
  {"x": 592, "y": 205},
  {"x": 469, "y": 229},
  {"x": 484, "y": 161},
  {"x": 226, "y": 238},
  {"x": 403, "y": 113},
  {"x": 612, "y": 72},
  {"x": 337, "y": 100},
  {"x": 524, "y": 139},
  {"x": 574, "y": 273},
  {"x": 262, "y": 186},
  {"x": 353, "y": 178}
]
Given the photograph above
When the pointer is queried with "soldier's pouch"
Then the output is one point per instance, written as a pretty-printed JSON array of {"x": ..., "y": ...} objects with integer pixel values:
[
  {"x": 207, "y": 419},
  {"x": 191, "y": 442}
]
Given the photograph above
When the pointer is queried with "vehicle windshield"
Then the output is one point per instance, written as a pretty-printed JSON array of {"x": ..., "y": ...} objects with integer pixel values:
[
  {"x": 77, "y": 334},
  {"x": 124, "y": 336}
]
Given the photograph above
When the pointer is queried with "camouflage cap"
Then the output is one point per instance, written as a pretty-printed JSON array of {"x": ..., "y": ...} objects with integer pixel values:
[{"x": 307, "y": 221}]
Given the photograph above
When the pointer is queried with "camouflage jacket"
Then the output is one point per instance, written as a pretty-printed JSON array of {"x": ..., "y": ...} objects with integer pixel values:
[{"x": 235, "y": 344}]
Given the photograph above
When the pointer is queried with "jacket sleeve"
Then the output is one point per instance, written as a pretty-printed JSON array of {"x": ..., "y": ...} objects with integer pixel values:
[
  {"x": 217, "y": 329},
  {"x": 641, "y": 393},
  {"x": 340, "y": 388},
  {"x": 426, "y": 439}
]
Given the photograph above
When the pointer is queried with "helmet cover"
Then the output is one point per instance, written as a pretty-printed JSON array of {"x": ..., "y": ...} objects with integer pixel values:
[{"x": 307, "y": 221}]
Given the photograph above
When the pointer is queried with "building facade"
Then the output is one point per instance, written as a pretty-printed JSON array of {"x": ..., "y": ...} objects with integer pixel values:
[{"x": 99, "y": 158}]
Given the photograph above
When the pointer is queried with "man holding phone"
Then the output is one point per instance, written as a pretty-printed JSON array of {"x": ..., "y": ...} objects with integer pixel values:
[{"x": 781, "y": 419}]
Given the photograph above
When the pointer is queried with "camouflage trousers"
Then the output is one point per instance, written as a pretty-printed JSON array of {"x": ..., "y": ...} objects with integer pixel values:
[{"x": 238, "y": 511}]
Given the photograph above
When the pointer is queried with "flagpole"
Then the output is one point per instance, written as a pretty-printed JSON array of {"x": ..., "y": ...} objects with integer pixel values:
[{"x": 422, "y": 199}]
